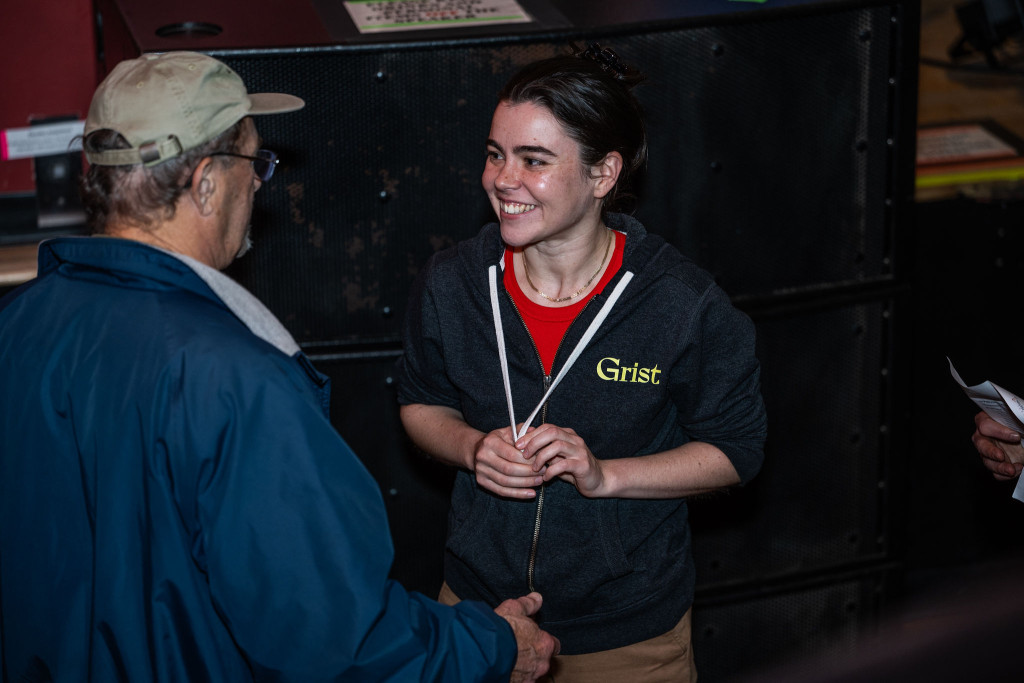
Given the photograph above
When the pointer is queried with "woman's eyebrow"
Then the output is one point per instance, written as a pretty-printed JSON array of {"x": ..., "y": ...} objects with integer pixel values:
[
  {"x": 523, "y": 149},
  {"x": 533, "y": 149}
]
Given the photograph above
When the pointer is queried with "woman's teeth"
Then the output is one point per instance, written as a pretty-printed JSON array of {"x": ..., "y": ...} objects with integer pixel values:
[{"x": 514, "y": 208}]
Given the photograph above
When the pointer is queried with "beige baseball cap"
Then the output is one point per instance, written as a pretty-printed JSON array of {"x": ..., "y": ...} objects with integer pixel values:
[{"x": 164, "y": 104}]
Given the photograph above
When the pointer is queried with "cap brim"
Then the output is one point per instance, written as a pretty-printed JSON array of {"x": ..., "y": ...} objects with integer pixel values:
[{"x": 274, "y": 103}]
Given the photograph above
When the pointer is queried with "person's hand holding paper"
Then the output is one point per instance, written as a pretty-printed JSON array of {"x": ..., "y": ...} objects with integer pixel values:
[
  {"x": 999, "y": 446},
  {"x": 999, "y": 426}
]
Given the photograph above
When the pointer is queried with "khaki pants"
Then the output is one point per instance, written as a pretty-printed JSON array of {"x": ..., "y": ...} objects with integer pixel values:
[{"x": 667, "y": 658}]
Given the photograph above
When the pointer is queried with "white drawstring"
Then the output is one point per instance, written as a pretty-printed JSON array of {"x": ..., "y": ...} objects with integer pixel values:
[
  {"x": 493, "y": 276},
  {"x": 591, "y": 330}
]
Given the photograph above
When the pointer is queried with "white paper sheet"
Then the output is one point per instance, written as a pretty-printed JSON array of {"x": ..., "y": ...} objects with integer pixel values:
[{"x": 1001, "y": 405}]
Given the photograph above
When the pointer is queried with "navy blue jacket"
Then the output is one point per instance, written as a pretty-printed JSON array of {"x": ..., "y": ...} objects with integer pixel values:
[
  {"x": 176, "y": 506},
  {"x": 674, "y": 362}
]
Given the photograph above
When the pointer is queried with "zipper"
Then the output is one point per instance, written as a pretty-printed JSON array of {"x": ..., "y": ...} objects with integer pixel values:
[{"x": 532, "y": 562}]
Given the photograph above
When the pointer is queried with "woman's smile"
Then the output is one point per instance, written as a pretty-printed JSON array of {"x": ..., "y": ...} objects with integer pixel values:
[{"x": 515, "y": 209}]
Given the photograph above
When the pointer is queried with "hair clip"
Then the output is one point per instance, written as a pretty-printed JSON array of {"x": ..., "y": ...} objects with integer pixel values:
[{"x": 605, "y": 58}]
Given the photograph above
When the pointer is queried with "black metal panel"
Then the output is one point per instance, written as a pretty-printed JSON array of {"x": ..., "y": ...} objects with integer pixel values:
[
  {"x": 415, "y": 490},
  {"x": 796, "y": 627},
  {"x": 767, "y": 166},
  {"x": 770, "y": 164},
  {"x": 817, "y": 503}
]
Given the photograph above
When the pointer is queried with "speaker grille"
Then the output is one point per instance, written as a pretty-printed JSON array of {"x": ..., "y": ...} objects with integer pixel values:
[
  {"x": 815, "y": 505},
  {"x": 801, "y": 630},
  {"x": 768, "y": 153}
]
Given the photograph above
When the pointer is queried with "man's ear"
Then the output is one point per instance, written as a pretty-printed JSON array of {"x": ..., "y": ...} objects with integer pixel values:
[
  {"x": 204, "y": 187},
  {"x": 606, "y": 174}
]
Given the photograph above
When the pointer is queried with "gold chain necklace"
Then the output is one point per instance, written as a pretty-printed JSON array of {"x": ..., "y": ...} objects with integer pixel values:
[{"x": 607, "y": 250}]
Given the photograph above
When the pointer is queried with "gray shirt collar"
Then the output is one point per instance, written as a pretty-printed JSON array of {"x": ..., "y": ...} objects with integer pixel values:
[{"x": 244, "y": 305}]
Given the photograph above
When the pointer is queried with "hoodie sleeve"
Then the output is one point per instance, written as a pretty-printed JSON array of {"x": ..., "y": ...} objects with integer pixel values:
[
  {"x": 421, "y": 368},
  {"x": 728, "y": 410}
]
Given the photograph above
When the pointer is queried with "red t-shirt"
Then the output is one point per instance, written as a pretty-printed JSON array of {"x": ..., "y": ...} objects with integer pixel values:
[{"x": 548, "y": 324}]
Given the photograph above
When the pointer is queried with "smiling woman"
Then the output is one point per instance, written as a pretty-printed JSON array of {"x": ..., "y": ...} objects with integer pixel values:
[{"x": 613, "y": 379}]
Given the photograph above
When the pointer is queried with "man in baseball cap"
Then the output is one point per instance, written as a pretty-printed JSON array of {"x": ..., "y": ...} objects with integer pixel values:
[
  {"x": 176, "y": 126},
  {"x": 174, "y": 502}
]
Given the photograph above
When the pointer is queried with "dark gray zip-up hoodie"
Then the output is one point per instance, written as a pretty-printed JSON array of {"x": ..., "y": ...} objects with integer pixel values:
[{"x": 673, "y": 362}]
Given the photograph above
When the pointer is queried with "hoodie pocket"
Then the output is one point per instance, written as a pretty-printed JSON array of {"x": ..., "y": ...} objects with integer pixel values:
[
  {"x": 611, "y": 539},
  {"x": 467, "y": 529}
]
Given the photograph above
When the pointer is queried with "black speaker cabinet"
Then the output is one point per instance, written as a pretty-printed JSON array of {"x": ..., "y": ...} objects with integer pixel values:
[
  {"x": 820, "y": 502},
  {"x": 801, "y": 628},
  {"x": 415, "y": 489},
  {"x": 782, "y": 160},
  {"x": 781, "y": 155}
]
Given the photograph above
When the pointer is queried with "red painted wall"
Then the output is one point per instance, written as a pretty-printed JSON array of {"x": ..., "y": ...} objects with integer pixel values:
[{"x": 48, "y": 53}]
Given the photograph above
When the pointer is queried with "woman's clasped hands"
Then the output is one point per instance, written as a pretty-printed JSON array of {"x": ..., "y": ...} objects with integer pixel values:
[{"x": 514, "y": 469}]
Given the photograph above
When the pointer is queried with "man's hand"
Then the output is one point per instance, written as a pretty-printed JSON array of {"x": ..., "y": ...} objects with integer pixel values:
[
  {"x": 536, "y": 647},
  {"x": 1000, "y": 447}
]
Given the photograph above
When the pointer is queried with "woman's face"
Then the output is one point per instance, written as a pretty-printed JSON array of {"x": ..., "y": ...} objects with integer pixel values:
[{"x": 535, "y": 180}]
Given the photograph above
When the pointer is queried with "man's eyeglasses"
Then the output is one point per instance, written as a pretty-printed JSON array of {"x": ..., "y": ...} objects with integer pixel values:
[{"x": 262, "y": 164}]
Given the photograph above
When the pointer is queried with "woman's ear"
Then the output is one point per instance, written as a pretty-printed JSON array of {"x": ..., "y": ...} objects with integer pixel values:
[{"x": 606, "y": 173}]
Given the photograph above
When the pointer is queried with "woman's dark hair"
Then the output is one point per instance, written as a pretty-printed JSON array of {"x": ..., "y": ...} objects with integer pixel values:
[
  {"x": 590, "y": 92},
  {"x": 138, "y": 195}
]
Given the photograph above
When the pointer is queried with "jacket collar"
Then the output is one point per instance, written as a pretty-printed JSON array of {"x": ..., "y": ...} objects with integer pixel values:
[{"x": 152, "y": 268}]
